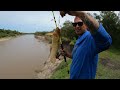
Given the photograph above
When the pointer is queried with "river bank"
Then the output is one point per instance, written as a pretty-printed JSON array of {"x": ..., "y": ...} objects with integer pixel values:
[
  {"x": 48, "y": 68},
  {"x": 5, "y": 39},
  {"x": 8, "y": 38}
]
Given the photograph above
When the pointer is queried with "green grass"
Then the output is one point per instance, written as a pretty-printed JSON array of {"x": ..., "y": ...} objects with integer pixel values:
[
  {"x": 108, "y": 66},
  {"x": 62, "y": 70}
]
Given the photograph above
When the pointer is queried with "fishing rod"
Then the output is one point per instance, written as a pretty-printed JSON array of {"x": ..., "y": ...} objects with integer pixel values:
[
  {"x": 61, "y": 44},
  {"x": 54, "y": 19}
]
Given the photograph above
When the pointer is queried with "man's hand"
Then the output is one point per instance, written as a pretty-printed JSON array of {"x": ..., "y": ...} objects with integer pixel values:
[
  {"x": 65, "y": 53},
  {"x": 62, "y": 13},
  {"x": 72, "y": 13},
  {"x": 90, "y": 21}
]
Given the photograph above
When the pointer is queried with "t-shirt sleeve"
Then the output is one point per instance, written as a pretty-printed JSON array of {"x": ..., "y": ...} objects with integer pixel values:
[{"x": 102, "y": 39}]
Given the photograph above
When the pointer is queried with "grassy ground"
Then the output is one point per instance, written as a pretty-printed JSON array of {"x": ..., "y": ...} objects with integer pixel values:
[
  {"x": 108, "y": 66},
  {"x": 62, "y": 71}
]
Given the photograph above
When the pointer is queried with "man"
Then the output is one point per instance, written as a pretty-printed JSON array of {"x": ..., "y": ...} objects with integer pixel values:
[{"x": 92, "y": 39}]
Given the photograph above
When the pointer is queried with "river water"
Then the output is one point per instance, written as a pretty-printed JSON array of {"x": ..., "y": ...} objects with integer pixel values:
[{"x": 20, "y": 57}]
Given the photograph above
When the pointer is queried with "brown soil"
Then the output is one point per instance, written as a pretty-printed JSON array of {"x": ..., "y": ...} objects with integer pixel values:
[
  {"x": 110, "y": 64},
  {"x": 48, "y": 69}
]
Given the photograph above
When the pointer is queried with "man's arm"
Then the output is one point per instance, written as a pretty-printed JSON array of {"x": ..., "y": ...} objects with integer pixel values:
[
  {"x": 91, "y": 22},
  {"x": 102, "y": 39}
]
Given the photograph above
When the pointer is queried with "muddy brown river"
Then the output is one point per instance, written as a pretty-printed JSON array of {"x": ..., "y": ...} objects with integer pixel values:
[{"x": 20, "y": 57}]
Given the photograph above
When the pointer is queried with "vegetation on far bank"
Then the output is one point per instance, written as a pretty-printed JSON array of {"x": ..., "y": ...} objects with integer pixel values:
[
  {"x": 8, "y": 33},
  {"x": 42, "y": 33}
]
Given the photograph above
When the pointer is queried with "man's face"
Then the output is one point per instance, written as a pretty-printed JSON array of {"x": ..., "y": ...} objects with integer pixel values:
[{"x": 79, "y": 26}]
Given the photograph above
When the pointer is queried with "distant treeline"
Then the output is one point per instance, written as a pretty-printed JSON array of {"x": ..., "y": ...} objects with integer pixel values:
[
  {"x": 40, "y": 33},
  {"x": 8, "y": 33}
]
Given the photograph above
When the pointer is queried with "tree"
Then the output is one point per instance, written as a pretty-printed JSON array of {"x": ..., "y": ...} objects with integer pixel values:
[
  {"x": 67, "y": 31},
  {"x": 111, "y": 22}
]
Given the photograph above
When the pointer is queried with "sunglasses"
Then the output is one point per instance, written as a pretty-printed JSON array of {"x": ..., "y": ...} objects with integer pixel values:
[{"x": 78, "y": 23}]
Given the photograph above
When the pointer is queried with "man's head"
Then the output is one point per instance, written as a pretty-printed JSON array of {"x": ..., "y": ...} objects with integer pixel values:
[{"x": 79, "y": 26}]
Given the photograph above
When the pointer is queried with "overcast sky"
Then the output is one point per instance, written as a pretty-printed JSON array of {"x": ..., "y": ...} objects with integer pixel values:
[{"x": 31, "y": 21}]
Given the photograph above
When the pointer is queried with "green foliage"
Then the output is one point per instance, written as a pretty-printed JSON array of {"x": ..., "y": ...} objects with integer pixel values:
[
  {"x": 40, "y": 33},
  {"x": 109, "y": 64},
  {"x": 8, "y": 33},
  {"x": 67, "y": 31},
  {"x": 61, "y": 71},
  {"x": 73, "y": 41},
  {"x": 111, "y": 23}
]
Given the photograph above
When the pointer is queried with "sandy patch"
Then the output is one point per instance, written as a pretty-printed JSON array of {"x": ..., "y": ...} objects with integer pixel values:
[
  {"x": 4, "y": 39},
  {"x": 48, "y": 69}
]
